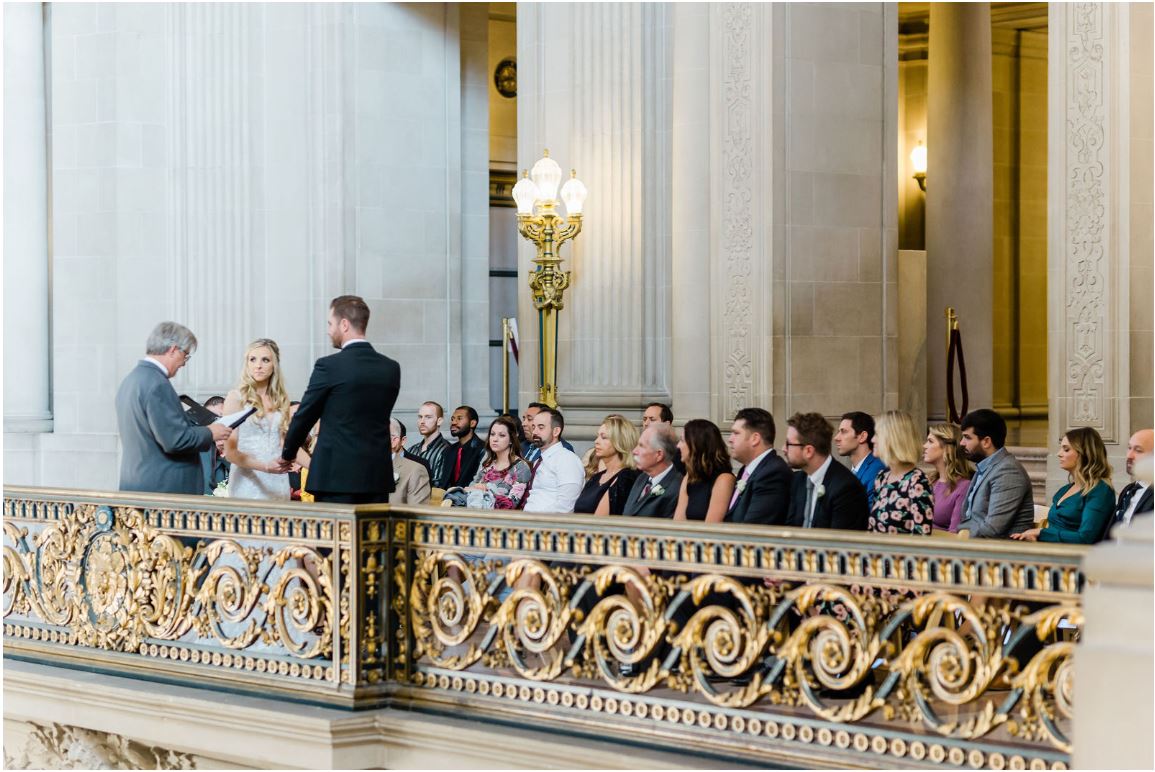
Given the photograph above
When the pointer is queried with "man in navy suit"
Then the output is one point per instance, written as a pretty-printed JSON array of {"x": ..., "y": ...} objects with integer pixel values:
[
  {"x": 825, "y": 493},
  {"x": 160, "y": 446},
  {"x": 352, "y": 392},
  {"x": 762, "y": 494}
]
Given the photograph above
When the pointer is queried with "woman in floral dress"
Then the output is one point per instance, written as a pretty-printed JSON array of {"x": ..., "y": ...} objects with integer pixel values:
[{"x": 903, "y": 498}]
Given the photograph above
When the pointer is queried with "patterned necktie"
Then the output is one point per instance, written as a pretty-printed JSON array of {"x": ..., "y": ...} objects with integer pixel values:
[
  {"x": 1125, "y": 501},
  {"x": 647, "y": 488}
]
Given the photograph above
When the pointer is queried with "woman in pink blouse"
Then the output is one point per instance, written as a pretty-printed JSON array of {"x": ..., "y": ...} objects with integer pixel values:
[{"x": 951, "y": 476}]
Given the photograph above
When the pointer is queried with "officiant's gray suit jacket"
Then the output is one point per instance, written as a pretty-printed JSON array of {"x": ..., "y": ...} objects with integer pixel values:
[{"x": 160, "y": 447}]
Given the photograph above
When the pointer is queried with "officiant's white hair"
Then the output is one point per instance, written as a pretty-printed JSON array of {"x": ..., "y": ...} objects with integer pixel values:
[{"x": 168, "y": 334}]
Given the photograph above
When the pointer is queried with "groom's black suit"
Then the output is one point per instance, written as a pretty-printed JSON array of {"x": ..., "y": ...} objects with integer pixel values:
[{"x": 352, "y": 393}]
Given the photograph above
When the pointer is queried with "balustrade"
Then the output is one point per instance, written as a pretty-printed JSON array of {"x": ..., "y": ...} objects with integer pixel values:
[{"x": 769, "y": 644}]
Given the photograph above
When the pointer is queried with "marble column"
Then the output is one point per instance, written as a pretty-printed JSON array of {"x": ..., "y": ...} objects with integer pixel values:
[
  {"x": 960, "y": 187},
  {"x": 595, "y": 91},
  {"x": 1099, "y": 346},
  {"x": 27, "y": 275}
]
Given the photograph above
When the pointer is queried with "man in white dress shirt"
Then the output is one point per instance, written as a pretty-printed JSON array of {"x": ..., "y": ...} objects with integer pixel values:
[{"x": 558, "y": 474}]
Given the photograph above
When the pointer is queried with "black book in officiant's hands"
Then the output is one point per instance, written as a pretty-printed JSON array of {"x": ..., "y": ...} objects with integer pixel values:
[{"x": 202, "y": 416}]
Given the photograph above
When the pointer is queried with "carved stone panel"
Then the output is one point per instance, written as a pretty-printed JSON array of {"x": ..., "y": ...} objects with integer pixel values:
[{"x": 58, "y": 746}]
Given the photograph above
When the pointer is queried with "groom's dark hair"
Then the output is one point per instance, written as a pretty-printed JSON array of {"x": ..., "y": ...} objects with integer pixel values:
[{"x": 352, "y": 309}]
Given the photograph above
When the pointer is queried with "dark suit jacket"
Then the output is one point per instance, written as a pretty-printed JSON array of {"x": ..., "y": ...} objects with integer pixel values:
[
  {"x": 160, "y": 447},
  {"x": 471, "y": 456},
  {"x": 662, "y": 505},
  {"x": 843, "y": 505},
  {"x": 1124, "y": 502},
  {"x": 352, "y": 392},
  {"x": 766, "y": 498}
]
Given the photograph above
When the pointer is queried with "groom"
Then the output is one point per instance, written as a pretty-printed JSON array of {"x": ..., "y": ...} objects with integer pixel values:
[{"x": 352, "y": 393}]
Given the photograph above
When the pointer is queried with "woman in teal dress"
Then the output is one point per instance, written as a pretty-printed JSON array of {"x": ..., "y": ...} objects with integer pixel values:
[{"x": 1081, "y": 508}]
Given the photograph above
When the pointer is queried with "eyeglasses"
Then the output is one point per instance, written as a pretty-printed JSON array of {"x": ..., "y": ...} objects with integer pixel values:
[{"x": 187, "y": 356}]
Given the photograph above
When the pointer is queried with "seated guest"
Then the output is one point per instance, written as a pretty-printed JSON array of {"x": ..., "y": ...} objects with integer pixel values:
[
  {"x": 532, "y": 452},
  {"x": 433, "y": 448},
  {"x": 655, "y": 491},
  {"x": 608, "y": 488},
  {"x": 410, "y": 478},
  {"x": 558, "y": 474},
  {"x": 657, "y": 412},
  {"x": 464, "y": 457},
  {"x": 762, "y": 493},
  {"x": 216, "y": 468},
  {"x": 855, "y": 442},
  {"x": 1081, "y": 509},
  {"x": 902, "y": 497},
  {"x": 825, "y": 494},
  {"x": 503, "y": 473},
  {"x": 709, "y": 481},
  {"x": 1135, "y": 499},
  {"x": 951, "y": 478},
  {"x": 999, "y": 501}
]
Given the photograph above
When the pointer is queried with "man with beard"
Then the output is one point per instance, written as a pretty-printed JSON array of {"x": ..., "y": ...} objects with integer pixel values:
[
  {"x": 433, "y": 448},
  {"x": 558, "y": 474},
  {"x": 999, "y": 502},
  {"x": 465, "y": 456}
]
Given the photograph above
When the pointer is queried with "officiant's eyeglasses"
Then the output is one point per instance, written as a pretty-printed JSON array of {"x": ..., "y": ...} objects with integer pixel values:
[{"x": 187, "y": 356}]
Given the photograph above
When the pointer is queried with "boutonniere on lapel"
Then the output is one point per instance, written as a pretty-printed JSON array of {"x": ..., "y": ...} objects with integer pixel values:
[
  {"x": 819, "y": 491},
  {"x": 657, "y": 490},
  {"x": 741, "y": 486},
  {"x": 396, "y": 477}
]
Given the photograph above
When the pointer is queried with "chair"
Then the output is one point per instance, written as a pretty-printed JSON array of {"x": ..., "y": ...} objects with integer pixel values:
[{"x": 435, "y": 496}]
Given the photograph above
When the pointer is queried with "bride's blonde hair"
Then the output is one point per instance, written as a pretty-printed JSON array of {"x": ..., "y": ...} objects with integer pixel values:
[{"x": 276, "y": 390}]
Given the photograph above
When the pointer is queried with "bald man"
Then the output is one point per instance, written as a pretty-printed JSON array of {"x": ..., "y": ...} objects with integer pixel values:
[{"x": 1135, "y": 499}]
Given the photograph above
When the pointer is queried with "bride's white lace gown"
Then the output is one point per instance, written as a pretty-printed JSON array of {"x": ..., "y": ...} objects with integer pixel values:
[{"x": 260, "y": 439}]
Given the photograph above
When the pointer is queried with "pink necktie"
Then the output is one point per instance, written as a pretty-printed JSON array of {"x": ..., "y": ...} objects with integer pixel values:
[{"x": 737, "y": 490}]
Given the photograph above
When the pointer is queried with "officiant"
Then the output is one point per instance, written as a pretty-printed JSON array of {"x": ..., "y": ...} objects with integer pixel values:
[{"x": 160, "y": 446}]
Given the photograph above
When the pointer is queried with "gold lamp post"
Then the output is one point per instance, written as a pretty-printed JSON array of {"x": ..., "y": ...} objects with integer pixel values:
[{"x": 539, "y": 221}]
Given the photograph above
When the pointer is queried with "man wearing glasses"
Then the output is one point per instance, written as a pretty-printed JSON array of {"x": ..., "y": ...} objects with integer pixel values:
[{"x": 160, "y": 446}]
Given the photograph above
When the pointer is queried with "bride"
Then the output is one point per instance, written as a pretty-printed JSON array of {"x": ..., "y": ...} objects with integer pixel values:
[{"x": 254, "y": 449}]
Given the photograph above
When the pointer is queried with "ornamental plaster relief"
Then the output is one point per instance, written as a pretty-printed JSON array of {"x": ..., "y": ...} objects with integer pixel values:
[{"x": 58, "y": 746}]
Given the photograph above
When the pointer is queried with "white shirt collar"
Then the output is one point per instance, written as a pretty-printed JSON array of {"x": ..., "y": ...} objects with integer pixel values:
[
  {"x": 820, "y": 473},
  {"x": 156, "y": 362},
  {"x": 655, "y": 480},
  {"x": 349, "y": 343},
  {"x": 754, "y": 464},
  {"x": 861, "y": 461}
]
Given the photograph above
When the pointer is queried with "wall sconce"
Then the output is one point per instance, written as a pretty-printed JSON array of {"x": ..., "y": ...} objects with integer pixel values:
[{"x": 918, "y": 161}]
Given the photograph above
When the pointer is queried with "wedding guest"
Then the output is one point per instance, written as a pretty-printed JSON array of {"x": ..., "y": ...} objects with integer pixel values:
[
  {"x": 762, "y": 493},
  {"x": 1081, "y": 509},
  {"x": 503, "y": 471},
  {"x": 657, "y": 412},
  {"x": 433, "y": 448},
  {"x": 160, "y": 448},
  {"x": 607, "y": 488},
  {"x": 1000, "y": 501},
  {"x": 464, "y": 456},
  {"x": 902, "y": 495},
  {"x": 709, "y": 481},
  {"x": 558, "y": 475},
  {"x": 855, "y": 442},
  {"x": 410, "y": 478},
  {"x": 951, "y": 476},
  {"x": 254, "y": 449},
  {"x": 532, "y": 452},
  {"x": 216, "y": 468},
  {"x": 1135, "y": 498},
  {"x": 655, "y": 491},
  {"x": 825, "y": 494}
]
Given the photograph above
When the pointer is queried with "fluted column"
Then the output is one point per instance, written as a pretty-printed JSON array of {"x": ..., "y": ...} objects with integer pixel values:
[
  {"x": 595, "y": 91},
  {"x": 27, "y": 327},
  {"x": 960, "y": 188}
]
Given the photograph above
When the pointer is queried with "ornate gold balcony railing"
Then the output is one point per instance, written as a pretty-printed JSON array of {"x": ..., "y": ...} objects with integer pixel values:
[{"x": 760, "y": 643}]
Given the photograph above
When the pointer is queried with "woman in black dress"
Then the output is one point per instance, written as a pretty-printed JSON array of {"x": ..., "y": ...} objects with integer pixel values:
[
  {"x": 606, "y": 491},
  {"x": 709, "y": 481}
]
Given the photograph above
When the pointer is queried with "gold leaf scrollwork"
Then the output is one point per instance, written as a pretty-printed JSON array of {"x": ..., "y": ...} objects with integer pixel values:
[
  {"x": 533, "y": 620},
  {"x": 445, "y": 611},
  {"x": 619, "y": 632},
  {"x": 724, "y": 641},
  {"x": 1047, "y": 681},
  {"x": 300, "y": 602},
  {"x": 231, "y": 593}
]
